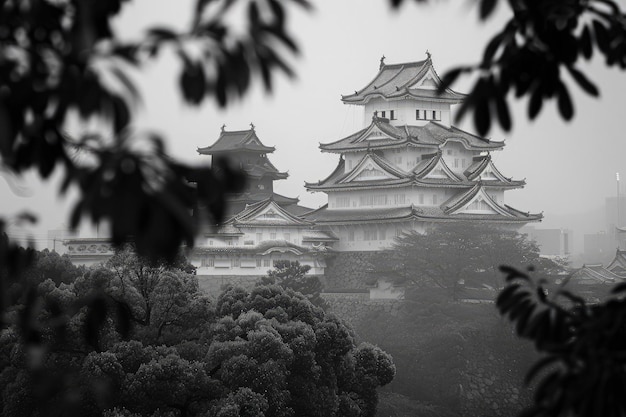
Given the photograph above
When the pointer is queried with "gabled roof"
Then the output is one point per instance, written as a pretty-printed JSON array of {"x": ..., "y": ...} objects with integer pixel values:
[
  {"x": 413, "y": 79},
  {"x": 429, "y": 167},
  {"x": 266, "y": 213},
  {"x": 484, "y": 169},
  {"x": 237, "y": 140},
  {"x": 431, "y": 135},
  {"x": 371, "y": 161},
  {"x": 458, "y": 205},
  {"x": 339, "y": 179}
]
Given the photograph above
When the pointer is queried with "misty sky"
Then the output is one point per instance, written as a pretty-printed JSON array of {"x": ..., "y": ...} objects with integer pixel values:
[{"x": 569, "y": 167}]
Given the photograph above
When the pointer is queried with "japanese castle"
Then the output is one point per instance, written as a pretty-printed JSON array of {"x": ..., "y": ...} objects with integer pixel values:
[
  {"x": 409, "y": 168},
  {"x": 406, "y": 169}
]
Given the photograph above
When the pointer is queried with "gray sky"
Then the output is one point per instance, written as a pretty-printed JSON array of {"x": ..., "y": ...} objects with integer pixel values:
[{"x": 569, "y": 167}]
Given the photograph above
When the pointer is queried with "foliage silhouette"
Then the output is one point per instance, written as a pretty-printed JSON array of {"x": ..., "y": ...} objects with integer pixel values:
[
  {"x": 292, "y": 275},
  {"x": 55, "y": 60},
  {"x": 540, "y": 42},
  {"x": 581, "y": 372}
]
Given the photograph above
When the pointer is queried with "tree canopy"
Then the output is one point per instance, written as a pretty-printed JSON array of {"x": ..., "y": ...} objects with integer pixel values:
[
  {"x": 264, "y": 352},
  {"x": 451, "y": 254}
]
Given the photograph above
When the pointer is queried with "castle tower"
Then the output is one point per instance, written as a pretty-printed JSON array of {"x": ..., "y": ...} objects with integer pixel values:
[
  {"x": 409, "y": 168},
  {"x": 244, "y": 150}
]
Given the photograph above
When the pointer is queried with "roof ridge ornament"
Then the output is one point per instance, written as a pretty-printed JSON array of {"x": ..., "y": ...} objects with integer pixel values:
[
  {"x": 382, "y": 62},
  {"x": 252, "y": 126},
  {"x": 428, "y": 54},
  {"x": 223, "y": 127}
]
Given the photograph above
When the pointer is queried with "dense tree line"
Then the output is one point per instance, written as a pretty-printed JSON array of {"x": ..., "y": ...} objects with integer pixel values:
[{"x": 136, "y": 339}]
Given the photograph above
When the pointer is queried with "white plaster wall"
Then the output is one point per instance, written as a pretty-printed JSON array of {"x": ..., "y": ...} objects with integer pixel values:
[
  {"x": 417, "y": 196},
  {"x": 457, "y": 157},
  {"x": 405, "y": 111},
  {"x": 358, "y": 231}
]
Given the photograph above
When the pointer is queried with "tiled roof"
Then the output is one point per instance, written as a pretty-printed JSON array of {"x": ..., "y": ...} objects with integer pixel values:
[
  {"x": 480, "y": 164},
  {"x": 323, "y": 215},
  {"x": 251, "y": 216},
  {"x": 339, "y": 179},
  {"x": 618, "y": 265},
  {"x": 429, "y": 163},
  {"x": 395, "y": 81},
  {"x": 260, "y": 196},
  {"x": 319, "y": 236},
  {"x": 237, "y": 140},
  {"x": 590, "y": 274},
  {"x": 432, "y": 134},
  {"x": 265, "y": 168}
]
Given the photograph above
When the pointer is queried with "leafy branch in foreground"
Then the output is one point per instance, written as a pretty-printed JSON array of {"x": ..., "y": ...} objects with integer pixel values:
[
  {"x": 540, "y": 43},
  {"x": 583, "y": 346},
  {"x": 63, "y": 61}
]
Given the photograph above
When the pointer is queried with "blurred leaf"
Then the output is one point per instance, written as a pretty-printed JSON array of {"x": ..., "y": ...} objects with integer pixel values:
[
  {"x": 583, "y": 82},
  {"x": 486, "y": 8},
  {"x": 564, "y": 102}
]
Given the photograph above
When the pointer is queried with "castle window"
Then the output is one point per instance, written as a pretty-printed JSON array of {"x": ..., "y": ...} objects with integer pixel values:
[
  {"x": 392, "y": 115},
  {"x": 235, "y": 262},
  {"x": 417, "y": 114},
  {"x": 258, "y": 262},
  {"x": 266, "y": 263},
  {"x": 207, "y": 262},
  {"x": 435, "y": 115},
  {"x": 382, "y": 113},
  {"x": 456, "y": 162},
  {"x": 261, "y": 187}
]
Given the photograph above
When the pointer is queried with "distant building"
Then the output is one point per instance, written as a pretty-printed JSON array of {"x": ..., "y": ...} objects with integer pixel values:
[
  {"x": 408, "y": 167},
  {"x": 551, "y": 242},
  {"x": 598, "y": 248}
]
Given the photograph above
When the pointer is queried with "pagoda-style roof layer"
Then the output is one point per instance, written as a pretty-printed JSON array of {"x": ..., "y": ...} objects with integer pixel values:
[
  {"x": 253, "y": 197},
  {"x": 432, "y": 171},
  {"x": 484, "y": 169},
  {"x": 236, "y": 141},
  {"x": 324, "y": 216},
  {"x": 267, "y": 213},
  {"x": 433, "y": 135},
  {"x": 400, "y": 80},
  {"x": 264, "y": 168}
]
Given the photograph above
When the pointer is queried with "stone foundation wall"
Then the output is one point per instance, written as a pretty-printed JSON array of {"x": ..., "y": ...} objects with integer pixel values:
[{"x": 348, "y": 270}]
